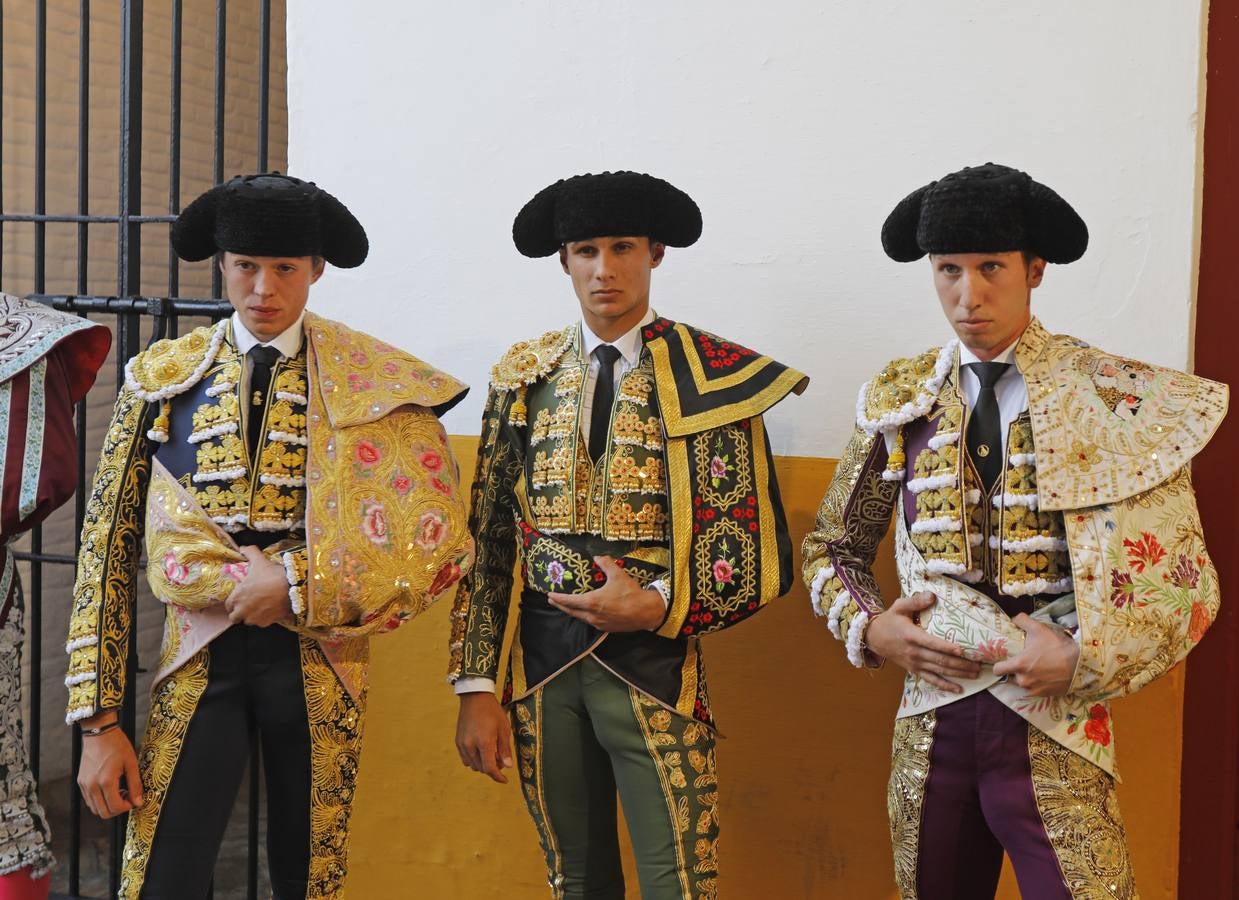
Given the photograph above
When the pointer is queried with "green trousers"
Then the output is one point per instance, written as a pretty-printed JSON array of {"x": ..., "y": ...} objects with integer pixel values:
[{"x": 583, "y": 737}]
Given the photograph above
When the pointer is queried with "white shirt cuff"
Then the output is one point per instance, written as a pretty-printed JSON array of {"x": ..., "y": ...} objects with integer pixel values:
[
  {"x": 664, "y": 591},
  {"x": 474, "y": 685}
]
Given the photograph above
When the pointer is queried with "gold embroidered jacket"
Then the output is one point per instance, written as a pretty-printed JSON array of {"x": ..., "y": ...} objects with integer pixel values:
[
  {"x": 353, "y": 489},
  {"x": 1095, "y": 500},
  {"x": 686, "y": 494}
]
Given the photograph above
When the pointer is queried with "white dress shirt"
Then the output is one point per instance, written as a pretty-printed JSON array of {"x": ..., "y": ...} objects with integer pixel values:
[
  {"x": 1010, "y": 390},
  {"x": 288, "y": 342}
]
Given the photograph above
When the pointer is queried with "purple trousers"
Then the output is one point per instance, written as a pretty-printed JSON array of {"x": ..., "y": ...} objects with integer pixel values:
[{"x": 973, "y": 779}]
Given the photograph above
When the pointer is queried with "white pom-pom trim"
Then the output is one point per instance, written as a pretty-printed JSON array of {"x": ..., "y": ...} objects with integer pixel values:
[
  {"x": 294, "y": 589},
  {"x": 220, "y": 387},
  {"x": 88, "y": 641},
  {"x": 221, "y": 475},
  {"x": 206, "y": 434},
  {"x": 973, "y": 496},
  {"x": 282, "y": 480},
  {"x": 1036, "y": 586},
  {"x": 975, "y": 539},
  {"x": 936, "y": 525},
  {"x": 913, "y": 409},
  {"x": 81, "y": 678},
  {"x": 938, "y": 441},
  {"x": 893, "y": 474},
  {"x": 1022, "y": 459},
  {"x": 945, "y": 567},
  {"x": 1008, "y": 500},
  {"x": 1037, "y": 543},
  {"x": 291, "y": 398},
  {"x": 288, "y": 437},
  {"x": 933, "y": 483},
  {"x": 972, "y": 576},
  {"x": 277, "y": 525},
  {"x": 78, "y": 714},
  {"x": 856, "y": 654},
  {"x": 158, "y": 435},
  {"x": 815, "y": 590},
  {"x": 836, "y": 610}
]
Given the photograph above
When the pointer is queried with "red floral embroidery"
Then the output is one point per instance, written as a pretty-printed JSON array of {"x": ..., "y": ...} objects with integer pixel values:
[
  {"x": 431, "y": 531},
  {"x": 1122, "y": 591},
  {"x": 401, "y": 483},
  {"x": 1199, "y": 622},
  {"x": 441, "y": 486},
  {"x": 367, "y": 454},
  {"x": 1145, "y": 552},
  {"x": 374, "y": 523},
  {"x": 724, "y": 573},
  {"x": 431, "y": 460},
  {"x": 444, "y": 579},
  {"x": 1097, "y": 728}
]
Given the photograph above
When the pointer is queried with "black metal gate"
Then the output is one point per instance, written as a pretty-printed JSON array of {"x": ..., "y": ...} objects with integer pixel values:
[{"x": 135, "y": 316}]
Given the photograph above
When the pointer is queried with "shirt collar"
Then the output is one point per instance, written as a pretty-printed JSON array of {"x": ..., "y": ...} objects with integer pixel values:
[
  {"x": 966, "y": 356},
  {"x": 288, "y": 342},
  {"x": 628, "y": 344}
]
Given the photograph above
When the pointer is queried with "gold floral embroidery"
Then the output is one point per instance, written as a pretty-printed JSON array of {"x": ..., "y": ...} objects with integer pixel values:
[
  {"x": 905, "y": 794},
  {"x": 1080, "y": 810},
  {"x": 527, "y": 731},
  {"x": 172, "y": 706},
  {"x": 683, "y": 754}
]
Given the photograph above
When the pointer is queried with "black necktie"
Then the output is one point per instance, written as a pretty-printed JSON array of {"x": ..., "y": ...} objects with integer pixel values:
[
  {"x": 985, "y": 424},
  {"x": 604, "y": 397},
  {"x": 263, "y": 359}
]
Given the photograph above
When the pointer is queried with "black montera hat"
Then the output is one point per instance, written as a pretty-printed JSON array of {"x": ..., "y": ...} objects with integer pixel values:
[
  {"x": 985, "y": 209},
  {"x": 270, "y": 215},
  {"x": 610, "y": 203}
]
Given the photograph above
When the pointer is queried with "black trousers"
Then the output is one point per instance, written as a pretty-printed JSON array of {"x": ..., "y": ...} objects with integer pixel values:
[{"x": 254, "y": 682}]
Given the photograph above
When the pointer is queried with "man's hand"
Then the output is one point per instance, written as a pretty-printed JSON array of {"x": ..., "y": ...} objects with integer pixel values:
[
  {"x": 105, "y": 759},
  {"x": 262, "y": 596},
  {"x": 1046, "y": 665},
  {"x": 619, "y": 605},
  {"x": 897, "y": 635},
  {"x": 483, "y": 736}
]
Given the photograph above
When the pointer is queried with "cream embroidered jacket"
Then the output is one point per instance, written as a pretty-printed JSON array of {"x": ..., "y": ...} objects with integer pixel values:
[{"x": 1096, "y": 498}]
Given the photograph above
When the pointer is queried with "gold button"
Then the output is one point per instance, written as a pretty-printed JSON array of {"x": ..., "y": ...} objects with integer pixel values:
[{"x": 983, "y": 450}]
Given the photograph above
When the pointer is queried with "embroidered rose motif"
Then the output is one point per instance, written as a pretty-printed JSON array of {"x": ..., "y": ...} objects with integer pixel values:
[
  {"x": 1097, "y": 728},
  {"x": 367, "y": 454},
  {"x": 356, "y": 383},
  {"x": 1145, "y": 552},
  {"x": 991, "y": 651},
  {"x": 359, "y": 358},
  {"x": 236, "y": 571},
  {"x": 401, "y": 483},
  {"x": 1199, "y": 622},
  {"x": 1122, "y": 591},
  {"x": 724, "y": 573},
  {"x": 390, "y": 369},
  {"x": 431, "y": 461},
  {"x": 431, "y": 531},
  {"x": 1185, "y": 574},
  {"x": 441, "y": 486},
  {"x": 177, "y": 573},
  {"x": 444, "y": 579},
  {"x": 374, "y": 523},
  {"x": 555, "y": 573}
]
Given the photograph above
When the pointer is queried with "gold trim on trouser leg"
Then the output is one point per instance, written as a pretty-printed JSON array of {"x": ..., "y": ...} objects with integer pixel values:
[
  {"x": 335, "y": 748},
  {"x": 905, "y": 794},
  {"x": 172, "y": 706},
  {"x": 527, "y": 730},
  {"x": 691, "y": 805},
  {"x": 1080, "y": 810}
]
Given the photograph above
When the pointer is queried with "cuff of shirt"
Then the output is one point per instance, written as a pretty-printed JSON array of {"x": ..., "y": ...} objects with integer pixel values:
[
  {"x": 474, "y": 685},
  {"x": 664, "y": 591}
]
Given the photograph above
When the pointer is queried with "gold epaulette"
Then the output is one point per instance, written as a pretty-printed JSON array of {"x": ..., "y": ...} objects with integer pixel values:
[
  {"x": 527, "y": 361},
  {"x": 904, "y": 390},
  {"x": 173, "y": 366}
]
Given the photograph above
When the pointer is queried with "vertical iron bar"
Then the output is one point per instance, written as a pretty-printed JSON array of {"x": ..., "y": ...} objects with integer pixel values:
[
  {"x": 221, "y": 34},
  {"x": 174, "y": 150},
  {"x": 40, "y": 142},
  {"x": 128, "y": 333},
  {"x": 264, "y": 81},
  {"x": 83, "y": 286}
]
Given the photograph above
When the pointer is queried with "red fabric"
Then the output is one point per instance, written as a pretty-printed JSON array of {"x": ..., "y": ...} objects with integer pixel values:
[{"x": 20, "y": 886}]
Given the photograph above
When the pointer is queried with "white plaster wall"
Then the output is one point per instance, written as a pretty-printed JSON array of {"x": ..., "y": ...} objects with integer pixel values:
[{"x": 795, "y": 125}]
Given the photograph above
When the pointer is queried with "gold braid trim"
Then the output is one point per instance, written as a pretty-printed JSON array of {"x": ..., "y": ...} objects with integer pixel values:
[
  {"x": 335, "y": 749},
  {"x": 172, "y": 706},
  {"x": 1080, "y": 810},
  {"x": 905, "y": 795}
]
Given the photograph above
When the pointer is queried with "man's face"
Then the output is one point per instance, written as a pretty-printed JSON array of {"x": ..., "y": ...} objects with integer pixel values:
[
  {"x": 611, "y": 275},
  {"x": 268, "y": 292},
  {"x": 986, "y": 296}
]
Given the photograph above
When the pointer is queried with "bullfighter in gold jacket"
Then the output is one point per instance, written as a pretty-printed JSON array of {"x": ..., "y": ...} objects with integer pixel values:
[
  {"x": 297, "y": 495},
  {"x": 1049, "y": 551}
]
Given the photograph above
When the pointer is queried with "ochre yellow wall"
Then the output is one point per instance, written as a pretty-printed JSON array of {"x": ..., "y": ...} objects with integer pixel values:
[{"x": 803, "y": 765}]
